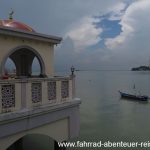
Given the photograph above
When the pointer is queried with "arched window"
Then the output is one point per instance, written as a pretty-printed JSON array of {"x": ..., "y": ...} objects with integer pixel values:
[{"x": 26, "y": 61}]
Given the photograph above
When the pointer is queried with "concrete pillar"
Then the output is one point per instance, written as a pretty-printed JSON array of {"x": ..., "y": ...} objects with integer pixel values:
[{"x": 73, "y": 85}]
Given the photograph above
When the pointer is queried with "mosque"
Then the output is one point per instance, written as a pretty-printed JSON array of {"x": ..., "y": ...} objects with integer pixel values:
[{"x": 42, "y": 104}]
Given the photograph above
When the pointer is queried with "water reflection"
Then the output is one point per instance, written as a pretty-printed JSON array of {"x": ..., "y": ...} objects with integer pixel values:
[{"x": 104, "y": 116}]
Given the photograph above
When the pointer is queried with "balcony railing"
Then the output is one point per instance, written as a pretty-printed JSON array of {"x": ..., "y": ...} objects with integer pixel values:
[{"x": 17, "y": 94}]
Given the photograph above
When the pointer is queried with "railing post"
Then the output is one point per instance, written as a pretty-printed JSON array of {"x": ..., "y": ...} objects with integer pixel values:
[
  {"x": 44, "y": 93},
  {"x": 58, "y": 91},
  {"x": 18, "y": 96},
  {"x": 73, "y": 85},
  {"x": 23, "y": 95},
  {"x": 28, "y": 95}
]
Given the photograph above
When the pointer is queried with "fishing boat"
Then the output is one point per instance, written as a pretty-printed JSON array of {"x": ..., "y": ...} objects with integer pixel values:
[{"x": 134, "y": 97}]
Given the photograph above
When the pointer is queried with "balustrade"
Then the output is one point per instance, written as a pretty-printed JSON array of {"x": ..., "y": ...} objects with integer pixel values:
[{"x": 16, "y": 94}]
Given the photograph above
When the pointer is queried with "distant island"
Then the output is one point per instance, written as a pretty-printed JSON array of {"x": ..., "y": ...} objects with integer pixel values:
[{"x": 141, "y": 68}]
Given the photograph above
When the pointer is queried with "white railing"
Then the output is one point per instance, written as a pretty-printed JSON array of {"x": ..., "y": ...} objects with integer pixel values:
[{"x": 17, "y": 94}]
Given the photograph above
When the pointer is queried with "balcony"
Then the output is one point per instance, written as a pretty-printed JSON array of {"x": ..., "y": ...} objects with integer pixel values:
[{"x": 33, "y": 93}]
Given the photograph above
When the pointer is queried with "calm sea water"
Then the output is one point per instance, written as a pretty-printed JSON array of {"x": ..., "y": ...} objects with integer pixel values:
[{"x": 103, "y": 115}]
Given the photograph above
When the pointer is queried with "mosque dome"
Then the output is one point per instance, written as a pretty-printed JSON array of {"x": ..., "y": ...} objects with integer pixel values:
[{"x": 15, "y": 25}]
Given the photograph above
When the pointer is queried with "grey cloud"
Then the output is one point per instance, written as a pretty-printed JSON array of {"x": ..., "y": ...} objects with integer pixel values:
[{"x": 56, "y": 17}]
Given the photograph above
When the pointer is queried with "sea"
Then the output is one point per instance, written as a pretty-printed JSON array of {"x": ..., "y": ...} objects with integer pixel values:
[{"x": 104, "y": 115}]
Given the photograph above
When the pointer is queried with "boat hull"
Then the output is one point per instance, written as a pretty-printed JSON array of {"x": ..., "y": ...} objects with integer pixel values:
[{"x": 134, "y": 97}]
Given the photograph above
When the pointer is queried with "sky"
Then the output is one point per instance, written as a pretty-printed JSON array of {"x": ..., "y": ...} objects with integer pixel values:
[{"x": 97, "y": 34}]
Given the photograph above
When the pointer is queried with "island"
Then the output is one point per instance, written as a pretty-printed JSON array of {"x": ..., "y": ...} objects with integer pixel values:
[{"x": 141, "y": 68}]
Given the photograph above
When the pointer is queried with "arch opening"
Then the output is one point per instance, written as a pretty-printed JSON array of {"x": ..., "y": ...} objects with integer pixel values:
[
  {"x": 26, "y": 62},
  {"x": 10, "y": 68},
  {"x": 35, "y": 141},
  {"x": 36, "y": 69}
]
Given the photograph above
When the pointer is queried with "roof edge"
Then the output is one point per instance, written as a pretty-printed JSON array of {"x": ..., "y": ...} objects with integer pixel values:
[{"x": 30, "y": 35}]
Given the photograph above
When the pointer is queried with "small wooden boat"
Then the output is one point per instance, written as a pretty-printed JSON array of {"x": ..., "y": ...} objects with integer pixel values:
[{"x": 134, "y": 97}]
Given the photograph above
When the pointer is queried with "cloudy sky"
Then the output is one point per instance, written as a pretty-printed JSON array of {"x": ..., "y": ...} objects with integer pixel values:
[{"x": 97, "y": 34}]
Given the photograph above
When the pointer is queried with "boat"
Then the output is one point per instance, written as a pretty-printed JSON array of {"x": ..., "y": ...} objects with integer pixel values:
[{"x": 134, "y": 97}]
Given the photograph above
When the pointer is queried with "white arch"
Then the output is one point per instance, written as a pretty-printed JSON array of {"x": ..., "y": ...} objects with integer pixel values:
[{"x": 41, "y": 62}]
